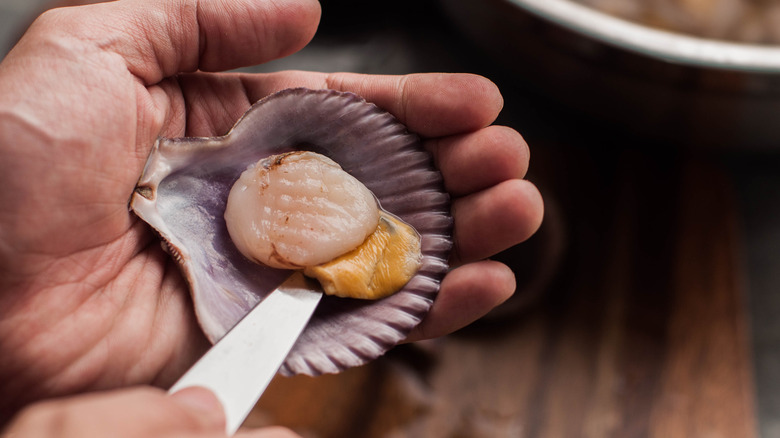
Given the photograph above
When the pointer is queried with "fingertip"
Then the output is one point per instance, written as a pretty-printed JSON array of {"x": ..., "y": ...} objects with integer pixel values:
[
  {"x": 467, "y": 293},
  {"x": 481, "y": 90},
  {"x": 510, "y": 144},
  {"x": 528, "y": 208},
  {"x": 478, "y": 160},
  {"x": 495, "y": 100},
  {"x": 267, "y": 432},
  {"x": 451, "y": 103},
  {"x": 236, "y": 34},
  {"x": 521, "y": 209},
  {"x": 493, "y": 281},
  {"x": 202, "y": 403},
  {"x": 495, "y": 219}
]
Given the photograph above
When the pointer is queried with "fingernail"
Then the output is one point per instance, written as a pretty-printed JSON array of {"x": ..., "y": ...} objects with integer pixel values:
[{"x": 204, "y": 402}]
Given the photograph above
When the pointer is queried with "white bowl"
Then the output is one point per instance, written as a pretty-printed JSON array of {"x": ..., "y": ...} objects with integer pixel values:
[{"x": 663, "y": 85}]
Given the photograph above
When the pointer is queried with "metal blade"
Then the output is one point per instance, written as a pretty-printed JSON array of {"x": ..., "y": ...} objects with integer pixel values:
[{"x": 240, "y": 366}]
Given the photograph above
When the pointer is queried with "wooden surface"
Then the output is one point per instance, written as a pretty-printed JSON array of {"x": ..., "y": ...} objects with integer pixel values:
[{"x": 641, "y": 331}]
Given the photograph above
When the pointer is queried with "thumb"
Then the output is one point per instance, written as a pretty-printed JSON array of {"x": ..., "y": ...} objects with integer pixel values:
[
  {"x": 202, "y": 403},
  {"x": 267, "y": 432},
  {"x": 160, "y": 38},
  {"x": 138, "y": 412}
]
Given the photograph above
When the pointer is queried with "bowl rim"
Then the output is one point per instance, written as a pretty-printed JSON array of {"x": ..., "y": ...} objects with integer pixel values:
[{"x": 660, "y": 44}]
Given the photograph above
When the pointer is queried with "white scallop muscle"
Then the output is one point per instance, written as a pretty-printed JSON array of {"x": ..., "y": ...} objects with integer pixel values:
[{"x": 299, "y": 209}]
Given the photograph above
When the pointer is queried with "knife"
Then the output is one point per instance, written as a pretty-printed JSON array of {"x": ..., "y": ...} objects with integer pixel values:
[{"x": 239, "y": 367}]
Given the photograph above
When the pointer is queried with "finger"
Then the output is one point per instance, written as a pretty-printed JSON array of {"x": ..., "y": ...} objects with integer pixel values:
[
  {"x": 429, "y": 104},
  {"x": 202, "y": 403},
  {"x": 267, "y": 432},
  {"x": 214, "y": 103},
  {"x": 127, "y": 413},
  {"x": 495, "y": 219},
  {"x": 157, "y": 39},
  {"x": 467, "y": 293},
  {"x": 478, "y": 160}
]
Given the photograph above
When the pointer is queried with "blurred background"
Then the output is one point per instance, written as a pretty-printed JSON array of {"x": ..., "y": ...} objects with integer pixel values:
[{"x": 648, "y": 303}]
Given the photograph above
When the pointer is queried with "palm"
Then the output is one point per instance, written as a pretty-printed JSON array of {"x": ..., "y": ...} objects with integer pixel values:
[
  {"x": 89, "y": 300},
  {"x": 87, "y": 297}
]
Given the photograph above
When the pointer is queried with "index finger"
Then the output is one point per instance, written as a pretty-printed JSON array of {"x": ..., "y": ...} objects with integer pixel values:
[{"x": 429, "y": 104}]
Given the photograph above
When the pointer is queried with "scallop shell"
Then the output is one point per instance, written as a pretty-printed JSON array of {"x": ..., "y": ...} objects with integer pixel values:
[{"x": 183, "y": 191}]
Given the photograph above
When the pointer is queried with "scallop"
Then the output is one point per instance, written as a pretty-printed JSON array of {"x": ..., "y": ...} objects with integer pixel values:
[
  {"x": 298, "y": 209},
  {"x": 184, "y": 190}
]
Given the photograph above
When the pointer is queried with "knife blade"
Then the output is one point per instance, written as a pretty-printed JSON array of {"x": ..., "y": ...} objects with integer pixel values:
[{"x": 239, "y": 367}]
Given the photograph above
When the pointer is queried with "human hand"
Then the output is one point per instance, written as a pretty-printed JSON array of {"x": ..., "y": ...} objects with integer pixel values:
[
  {"x": 88, "y": 300},
  {"x": 137, "y": 412}
]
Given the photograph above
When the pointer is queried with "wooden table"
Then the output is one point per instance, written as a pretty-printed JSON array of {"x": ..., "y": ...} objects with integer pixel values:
[{"x": 641, "y": 330}]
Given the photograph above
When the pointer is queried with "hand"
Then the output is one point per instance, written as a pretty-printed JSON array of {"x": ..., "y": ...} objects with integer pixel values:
[
  {"x": 87, "y": 298},
  {"x": 137, "y": 412}
]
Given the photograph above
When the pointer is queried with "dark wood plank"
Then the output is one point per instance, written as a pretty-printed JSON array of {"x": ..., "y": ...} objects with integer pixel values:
[{"x": 707, "y": 379}]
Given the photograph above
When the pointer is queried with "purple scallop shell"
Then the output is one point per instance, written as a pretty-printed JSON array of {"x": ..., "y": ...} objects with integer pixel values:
[{"x": 183, "y": 191}]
